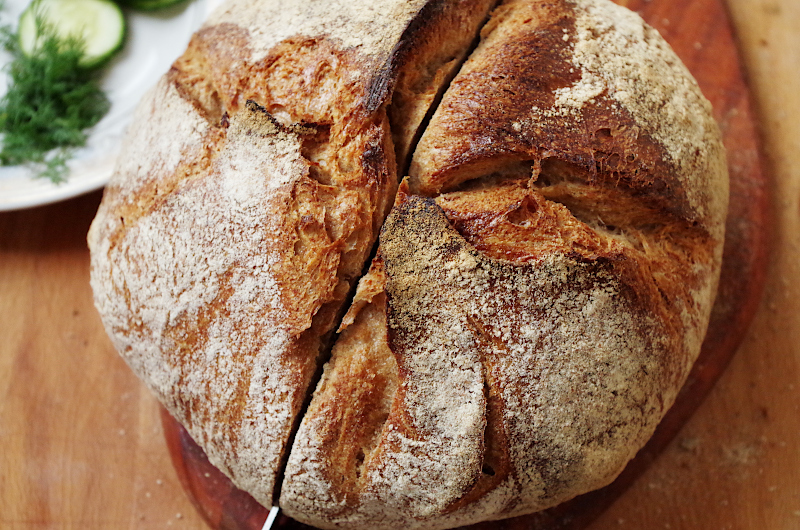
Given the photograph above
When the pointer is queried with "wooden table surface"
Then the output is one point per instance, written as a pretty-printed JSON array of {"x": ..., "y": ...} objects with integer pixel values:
[{"x": 81, "y": 444}]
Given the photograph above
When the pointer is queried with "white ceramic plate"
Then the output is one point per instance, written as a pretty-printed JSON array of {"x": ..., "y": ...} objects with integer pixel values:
[{"x": 154, "y": 41}]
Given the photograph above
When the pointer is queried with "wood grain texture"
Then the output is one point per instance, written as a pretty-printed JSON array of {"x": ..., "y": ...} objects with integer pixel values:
[{"x": 80, "y": 440}]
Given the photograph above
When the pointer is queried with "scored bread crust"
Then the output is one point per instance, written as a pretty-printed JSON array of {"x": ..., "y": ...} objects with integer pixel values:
[
  {"x": 543, "y": 282},
  {"x": 525, "y": 327},
  {"x": 254, "y": 180}
]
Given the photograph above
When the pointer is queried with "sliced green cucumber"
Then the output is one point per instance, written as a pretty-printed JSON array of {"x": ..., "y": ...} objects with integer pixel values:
[
  {"x": 99, "y": 24},
  {"x": 151, "y": 5}
]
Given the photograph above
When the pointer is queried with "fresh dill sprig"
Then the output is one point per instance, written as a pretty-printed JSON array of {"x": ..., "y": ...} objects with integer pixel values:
[{"x": 50, "y": 103}]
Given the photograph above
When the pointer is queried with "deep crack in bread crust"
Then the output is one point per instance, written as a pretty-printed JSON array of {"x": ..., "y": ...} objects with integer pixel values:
[{"x": 542, "y": 285}]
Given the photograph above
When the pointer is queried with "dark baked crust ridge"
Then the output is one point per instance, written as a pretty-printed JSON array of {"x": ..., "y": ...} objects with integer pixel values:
[{"x": 418, "y": 37}]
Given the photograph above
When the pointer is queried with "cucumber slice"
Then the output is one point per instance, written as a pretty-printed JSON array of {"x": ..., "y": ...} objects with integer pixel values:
[{"x": 100, "y": 24}]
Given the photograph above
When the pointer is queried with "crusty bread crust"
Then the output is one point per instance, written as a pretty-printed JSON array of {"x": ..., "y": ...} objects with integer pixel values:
[
  {"x": 588, "y": 83},
  {"x": 543, "y": 282}
]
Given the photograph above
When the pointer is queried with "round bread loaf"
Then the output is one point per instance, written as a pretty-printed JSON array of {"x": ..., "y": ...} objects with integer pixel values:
[{"x": 540, "y": 289}]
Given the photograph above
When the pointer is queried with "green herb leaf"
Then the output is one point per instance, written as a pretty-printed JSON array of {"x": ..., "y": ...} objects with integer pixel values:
[{"x": 50, "y": 103}]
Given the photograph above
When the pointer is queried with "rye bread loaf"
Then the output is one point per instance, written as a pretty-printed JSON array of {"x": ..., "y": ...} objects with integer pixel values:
[{"x": 542, "y": 285}]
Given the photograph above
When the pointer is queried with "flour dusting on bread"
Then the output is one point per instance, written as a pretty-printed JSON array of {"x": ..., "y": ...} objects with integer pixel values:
[
  {"x": 371, "y": 27},
  {"x": 206, "y": 317}
]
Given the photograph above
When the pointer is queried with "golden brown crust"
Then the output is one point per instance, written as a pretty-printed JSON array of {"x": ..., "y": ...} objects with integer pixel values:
[
  {"x": 436, "y": 56},
  {"x": 349, "y": 410},
  {"x": 510, "y": 220}
]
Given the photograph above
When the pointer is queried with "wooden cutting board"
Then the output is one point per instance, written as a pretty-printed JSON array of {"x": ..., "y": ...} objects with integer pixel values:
[
  {"x": 81, "y": 443},
  {"x": 701, "y": 34}
]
